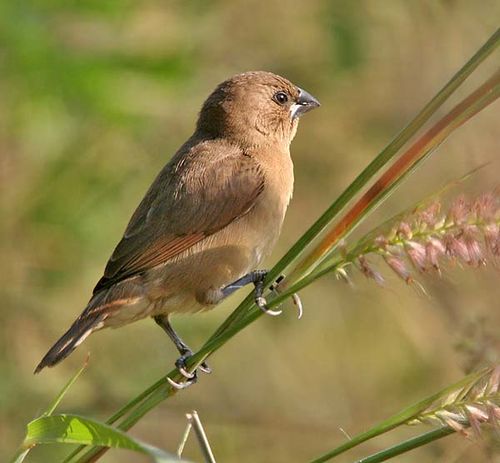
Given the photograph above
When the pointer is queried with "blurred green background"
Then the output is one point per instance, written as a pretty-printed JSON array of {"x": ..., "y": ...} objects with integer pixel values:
[{"x": 96, "y": 96}]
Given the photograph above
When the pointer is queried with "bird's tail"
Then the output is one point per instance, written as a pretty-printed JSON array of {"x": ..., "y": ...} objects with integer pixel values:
[{"x": 79, "y": 330}]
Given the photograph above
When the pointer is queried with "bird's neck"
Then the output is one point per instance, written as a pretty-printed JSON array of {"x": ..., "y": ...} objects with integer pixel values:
[{"x": 252, "y": 141}]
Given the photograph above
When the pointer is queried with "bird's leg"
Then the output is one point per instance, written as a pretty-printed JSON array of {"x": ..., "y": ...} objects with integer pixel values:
[
  {"x": 256, "y": 277},
  {"x": 252, "y": 277},
  {"x": 184, "y": 350}
]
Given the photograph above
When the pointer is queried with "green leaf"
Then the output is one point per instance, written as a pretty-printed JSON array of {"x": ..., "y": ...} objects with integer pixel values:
[{"x": 74, "y": 429}]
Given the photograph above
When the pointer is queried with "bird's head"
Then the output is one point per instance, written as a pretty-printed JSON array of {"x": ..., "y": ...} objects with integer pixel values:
[{"x": 255, "y": 108}]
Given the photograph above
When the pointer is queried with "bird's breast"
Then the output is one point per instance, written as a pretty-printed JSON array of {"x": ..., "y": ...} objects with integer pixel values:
[
  {"x": 241, "y": 246},
  {"x": 269, "y": 212}
]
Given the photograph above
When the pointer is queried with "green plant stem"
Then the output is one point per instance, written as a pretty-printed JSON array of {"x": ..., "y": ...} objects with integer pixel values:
[
  {"x": 478, "y": 100},
  {"x": 407, "y": 445},
  {"x": 387, "y": 183},
  {"x": 382, "y": 159},
  {"x": 403, "y": 417},
  {"x": 387, "y": 154},
  {"x": 418, "y": 152},
  {"x": 20, "y": 455}
]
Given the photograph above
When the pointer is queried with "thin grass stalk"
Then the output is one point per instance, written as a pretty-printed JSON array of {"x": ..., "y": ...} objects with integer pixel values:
[
  {"x": 407, "y": 445},
  {"x": 402, "y": 167},
  {"x": 203, "y": 442},
  {"x": 160, "y": 390},
  {"x": 417, "y": 153},
  {"x": 401, "y": 418},
  {"x": 382, "y": 159}
]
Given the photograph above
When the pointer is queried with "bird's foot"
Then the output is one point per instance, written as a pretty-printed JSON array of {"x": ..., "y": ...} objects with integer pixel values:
[
  {"x": 260, "y": 300},
  {"x": 295, "y": 297},
  {"x": 257, "y": 277},
  {"x": 190, "y": 377}
]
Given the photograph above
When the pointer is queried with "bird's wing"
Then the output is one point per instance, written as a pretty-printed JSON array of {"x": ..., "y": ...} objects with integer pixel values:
[{"x": 194, "y": 196}]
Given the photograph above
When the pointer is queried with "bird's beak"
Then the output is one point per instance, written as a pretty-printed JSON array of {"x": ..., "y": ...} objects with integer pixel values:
[{"x": 304, "y": 103}]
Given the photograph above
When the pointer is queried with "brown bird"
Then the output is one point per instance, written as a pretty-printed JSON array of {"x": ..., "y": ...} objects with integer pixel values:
[{"x": 211, "y": 216}]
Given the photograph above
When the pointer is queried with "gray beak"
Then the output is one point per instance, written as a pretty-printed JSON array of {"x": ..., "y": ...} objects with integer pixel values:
[{"x": 304, "y": 103}]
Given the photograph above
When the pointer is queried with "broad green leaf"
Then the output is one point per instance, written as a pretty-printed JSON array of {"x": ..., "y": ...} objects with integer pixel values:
[{"x": 74, "y": 429}]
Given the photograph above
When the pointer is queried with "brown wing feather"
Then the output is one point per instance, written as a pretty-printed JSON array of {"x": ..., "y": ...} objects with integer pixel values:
[
  {"x": 203, "y": 189},
  {"x": 160, "y": 252}
]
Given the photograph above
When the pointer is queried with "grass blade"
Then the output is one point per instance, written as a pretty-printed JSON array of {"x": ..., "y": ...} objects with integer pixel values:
[
  {"x": 389, "y": 152},
  {"x": 404, "y": 416},
  {"x": 362, "y": 180},
  {"x": 402, "y": 167},
  {"x": 20, "y": 455},
  {"x": 407, "y": 445},
  {"x": 65, "y": 389}
]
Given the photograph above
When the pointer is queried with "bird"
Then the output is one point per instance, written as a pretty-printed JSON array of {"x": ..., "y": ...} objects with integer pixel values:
[{"x": 210, "y": 217}]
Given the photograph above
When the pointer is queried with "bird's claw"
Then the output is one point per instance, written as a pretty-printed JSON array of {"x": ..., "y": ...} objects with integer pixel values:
[
  {"x": 183, "y": 385},
  {"x": 295, "y": 297},
  {"x": 186, "y": 373},
  {"x": 262, "y": 305},
  {"x": 296, "y": 300},
  {"x": 191, "y": 378},
  {"x": 180, "y": 364},
  {"x": 205, "y": 368},
  {"x": 260, "y": 300}
]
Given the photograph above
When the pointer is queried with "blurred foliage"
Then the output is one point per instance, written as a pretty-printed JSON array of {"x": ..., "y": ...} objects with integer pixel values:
[{"x": 96, "y": 96}]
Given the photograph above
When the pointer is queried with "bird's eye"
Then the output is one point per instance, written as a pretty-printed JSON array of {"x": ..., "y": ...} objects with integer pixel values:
[{"x": 280, "y": 98}]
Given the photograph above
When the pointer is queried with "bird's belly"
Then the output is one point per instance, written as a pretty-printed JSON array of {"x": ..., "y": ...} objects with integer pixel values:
[{"x": 183, "y": 285}]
